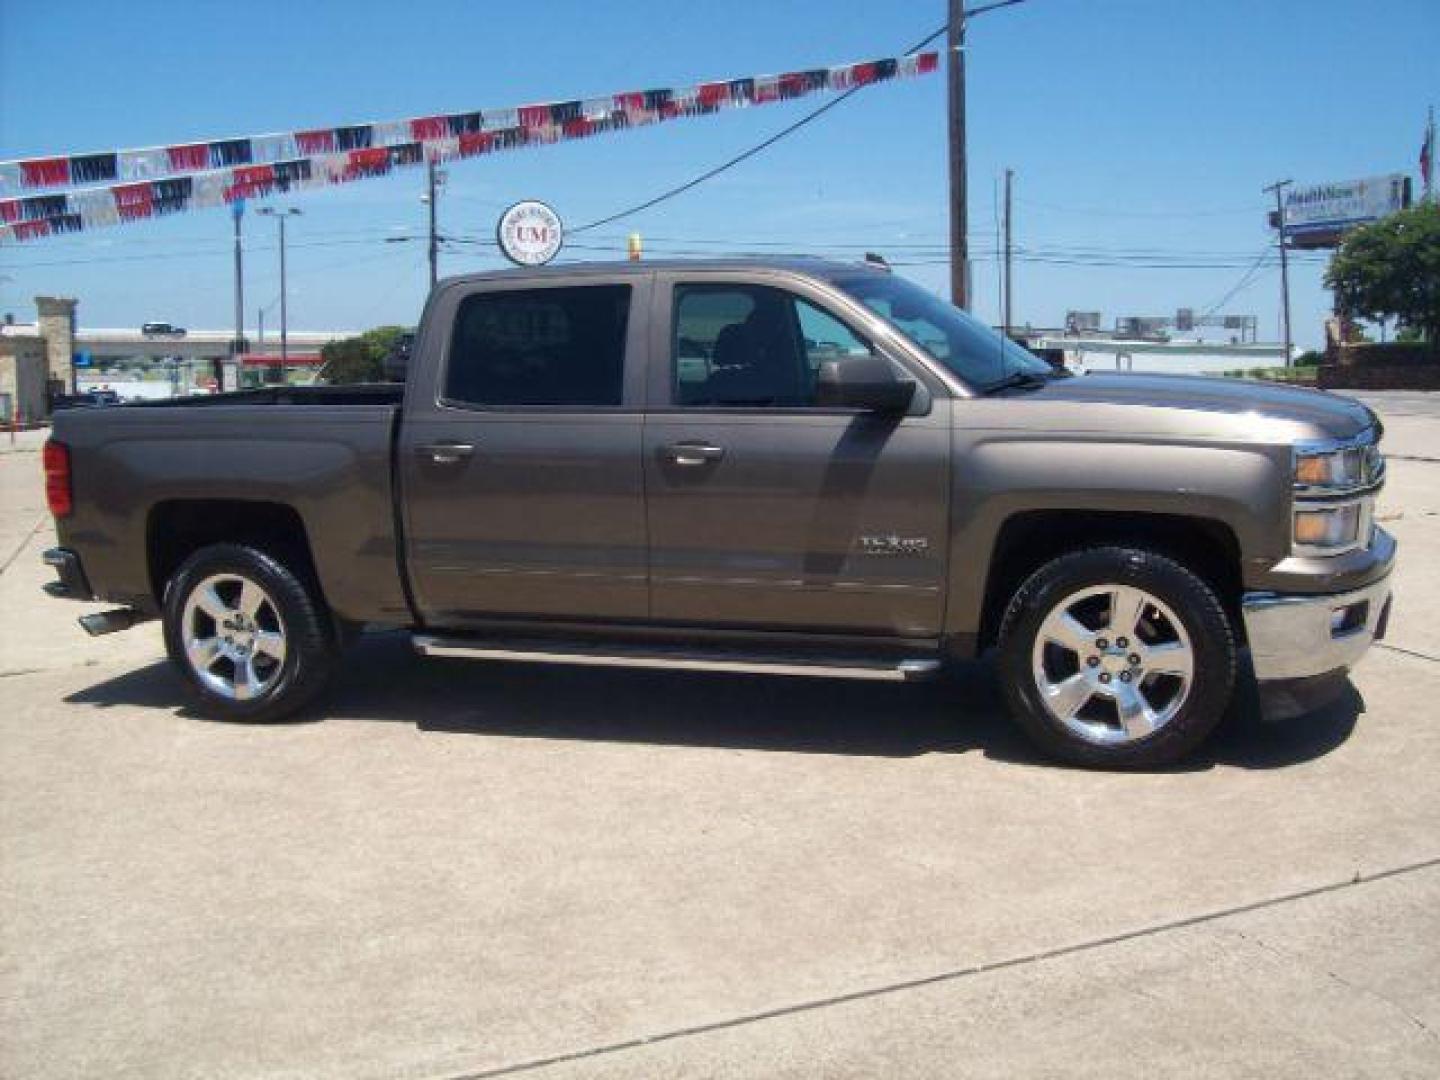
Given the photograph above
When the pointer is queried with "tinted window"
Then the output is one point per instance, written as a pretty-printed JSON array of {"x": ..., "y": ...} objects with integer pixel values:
[
  {"x": 825, "y": 337},
  {"x": 739, "y": 346},
  {"x": 559, "y": 347},
  {"x": 959, "y": 341}
]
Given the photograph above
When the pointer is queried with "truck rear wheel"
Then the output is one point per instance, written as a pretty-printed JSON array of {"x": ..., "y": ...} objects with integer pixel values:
[
  {"x": 1116, "y": 657},
  {"x": 252, "y": 641}
]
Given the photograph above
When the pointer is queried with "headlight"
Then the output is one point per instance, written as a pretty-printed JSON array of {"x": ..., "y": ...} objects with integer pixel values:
[
  {"x": 1331, "y": 469},
  {"x": 1335, "y": 469},
  {"x": 1328, "y": 527}
]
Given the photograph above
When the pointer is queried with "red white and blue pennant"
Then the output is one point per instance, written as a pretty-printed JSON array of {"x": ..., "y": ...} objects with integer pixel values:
[{"x": 145, "y": 183}]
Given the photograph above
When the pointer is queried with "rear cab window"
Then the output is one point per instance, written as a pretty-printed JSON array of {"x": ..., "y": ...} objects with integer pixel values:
[{"x": 561, "y": 348}]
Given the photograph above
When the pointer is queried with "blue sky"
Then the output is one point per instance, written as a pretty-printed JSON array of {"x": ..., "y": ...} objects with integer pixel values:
[{"x": 1132, "y": 126}]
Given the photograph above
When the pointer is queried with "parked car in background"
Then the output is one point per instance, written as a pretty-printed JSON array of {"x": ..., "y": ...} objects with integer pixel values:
[
  {"x": 782, "y": 467},
  {"x": 162, "y": 329}
]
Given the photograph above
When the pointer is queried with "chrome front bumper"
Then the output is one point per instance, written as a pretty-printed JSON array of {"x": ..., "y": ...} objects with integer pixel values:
[{"x": 1295, "y": 636}]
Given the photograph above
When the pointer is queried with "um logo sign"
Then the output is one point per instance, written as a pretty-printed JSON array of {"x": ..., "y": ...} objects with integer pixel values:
[{"x": 530, "y": 233}]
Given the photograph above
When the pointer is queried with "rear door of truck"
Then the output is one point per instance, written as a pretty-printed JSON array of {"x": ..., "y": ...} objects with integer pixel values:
[{"x": 520, "y": 451}]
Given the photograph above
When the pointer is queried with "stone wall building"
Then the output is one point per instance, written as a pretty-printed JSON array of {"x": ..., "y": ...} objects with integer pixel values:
[
  {"x": 36, "y": 360},
  {"x": 23, "y": 371},
  {"x": 56, "y": 318}
]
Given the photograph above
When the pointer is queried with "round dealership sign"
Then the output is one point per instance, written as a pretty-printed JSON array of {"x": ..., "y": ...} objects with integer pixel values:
[{"x": 530, "y": 233}]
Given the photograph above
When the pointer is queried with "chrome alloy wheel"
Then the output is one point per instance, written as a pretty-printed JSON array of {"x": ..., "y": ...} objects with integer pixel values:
[
  {"x": 1113, "y": 664},
  {"x": 234, "y": 637}
]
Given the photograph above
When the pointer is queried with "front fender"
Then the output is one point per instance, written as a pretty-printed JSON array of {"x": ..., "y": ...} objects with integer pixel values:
[{"x": 1000, "y": 474}]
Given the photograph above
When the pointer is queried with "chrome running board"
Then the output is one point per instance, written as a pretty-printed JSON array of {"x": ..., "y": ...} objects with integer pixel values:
[{"x": 679, "y": 659}]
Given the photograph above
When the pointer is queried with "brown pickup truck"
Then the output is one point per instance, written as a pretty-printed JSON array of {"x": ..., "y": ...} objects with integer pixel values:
[{"x": 794, "y": 467}]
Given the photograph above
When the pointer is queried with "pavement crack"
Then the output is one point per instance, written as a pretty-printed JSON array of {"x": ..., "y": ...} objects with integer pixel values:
[
  {"x": 1407, "y": 652},
  {"x": 39, "y": 524},
  {"x": 1359, "y": 879},
  {"x": 1355, "y": 988}
]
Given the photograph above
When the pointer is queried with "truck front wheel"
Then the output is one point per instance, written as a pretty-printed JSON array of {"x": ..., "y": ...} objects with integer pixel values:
[
  {"x": 1116, "y": 657},
  {"x": 253, "y": 643}
]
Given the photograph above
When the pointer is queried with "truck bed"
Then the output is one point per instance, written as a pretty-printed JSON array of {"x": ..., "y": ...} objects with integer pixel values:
[{"x": 320, "y": 453}]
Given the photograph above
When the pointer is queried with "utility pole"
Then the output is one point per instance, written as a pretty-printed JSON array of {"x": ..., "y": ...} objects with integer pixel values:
[
  {"x": 284, "y": 315},
  {"x": 434, "y": 181},
  {"x": 280, "y": 216},
  {"x": 1278, "y": 188},
  {"x": 434, "y": 247},
  {"x": 237, "y": 210},
  {"x": 1009, "y": 183},
  {"x": 959, "y": 218}
]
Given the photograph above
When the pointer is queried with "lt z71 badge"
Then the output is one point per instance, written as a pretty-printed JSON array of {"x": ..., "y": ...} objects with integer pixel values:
[{"x": 894, "y": 545}]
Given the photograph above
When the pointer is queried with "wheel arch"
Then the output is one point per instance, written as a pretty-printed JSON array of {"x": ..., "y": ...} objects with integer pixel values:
[
  {"x": 1028, "y": 539},
  {"x": 177, "y": 528}
]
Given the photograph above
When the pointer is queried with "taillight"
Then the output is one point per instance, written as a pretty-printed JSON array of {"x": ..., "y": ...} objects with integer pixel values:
[{"x": 56, "y": 457}]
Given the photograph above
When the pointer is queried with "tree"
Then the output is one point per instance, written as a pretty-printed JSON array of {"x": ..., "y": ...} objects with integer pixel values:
[
  {"x": 357, "y": 359},
  {"x": 1391, "y": 269}
]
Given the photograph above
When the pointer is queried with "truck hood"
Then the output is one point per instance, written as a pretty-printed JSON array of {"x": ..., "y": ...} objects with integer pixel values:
[{"x": 1330, "y": 415}]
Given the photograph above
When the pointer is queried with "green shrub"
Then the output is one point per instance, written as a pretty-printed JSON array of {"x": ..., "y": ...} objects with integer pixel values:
[{"x": 358, "y": 359}]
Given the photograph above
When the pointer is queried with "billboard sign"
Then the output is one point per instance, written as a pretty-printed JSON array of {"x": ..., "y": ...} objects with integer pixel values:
[{"x": 1325, "y": 210}]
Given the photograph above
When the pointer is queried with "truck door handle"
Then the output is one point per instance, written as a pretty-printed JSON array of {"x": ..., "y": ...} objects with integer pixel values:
[
  {"x": 446, "y": 453},
  {"x": 693, "y": 453}
]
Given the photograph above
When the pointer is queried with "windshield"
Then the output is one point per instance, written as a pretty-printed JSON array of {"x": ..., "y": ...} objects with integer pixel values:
[{"x": 959, "y": 342}]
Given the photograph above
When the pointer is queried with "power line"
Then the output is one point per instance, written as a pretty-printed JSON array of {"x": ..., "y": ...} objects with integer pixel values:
[
  {"x": 914, "y": 253},
  {"x": 764, "y": 145},
  {"x": 1239, "y": 285},
  {"x": 1105, "y": 211},
  {"x": 193, "y": 253},
  {"x": 1200, "y": 258}
]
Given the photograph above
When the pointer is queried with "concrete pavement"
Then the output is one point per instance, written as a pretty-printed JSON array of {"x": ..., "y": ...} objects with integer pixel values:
[{"x": 470, "y": 870}]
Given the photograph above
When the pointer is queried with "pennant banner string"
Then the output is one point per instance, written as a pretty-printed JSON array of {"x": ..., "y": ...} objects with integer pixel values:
[{"x": 167, "y": 180}]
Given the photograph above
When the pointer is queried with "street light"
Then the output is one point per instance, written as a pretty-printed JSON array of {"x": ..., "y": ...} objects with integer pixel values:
[{"x": 280, "y": 215}]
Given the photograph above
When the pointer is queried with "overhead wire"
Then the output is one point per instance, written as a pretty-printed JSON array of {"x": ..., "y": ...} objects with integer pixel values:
[
  {"x": 1244, "y": 281},
  {"x": 763, "y": 145},
  {"x": 1105, "y": 211}
]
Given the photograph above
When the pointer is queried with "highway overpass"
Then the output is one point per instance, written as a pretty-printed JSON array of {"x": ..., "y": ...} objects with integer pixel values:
[{"x": 104, "y": 346}]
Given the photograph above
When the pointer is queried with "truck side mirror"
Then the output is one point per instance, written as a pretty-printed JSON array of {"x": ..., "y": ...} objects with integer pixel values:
[{"x": 863, "y": 382}]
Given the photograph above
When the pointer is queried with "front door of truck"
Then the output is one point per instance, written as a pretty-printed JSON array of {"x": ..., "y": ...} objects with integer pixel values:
[
  {"x": 766, "y": 511},
  {"x": 519, "y": 453}
]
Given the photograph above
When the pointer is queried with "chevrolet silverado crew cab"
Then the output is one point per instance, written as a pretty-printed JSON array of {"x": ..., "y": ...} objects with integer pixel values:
[{"x": 794, "y": 467}]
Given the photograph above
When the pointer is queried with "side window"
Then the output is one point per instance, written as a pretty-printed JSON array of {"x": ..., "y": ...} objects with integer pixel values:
[
  {"x": 752, "y": 346},
  {"x": 826, "y": 337},
  {"x": 559, "y": 347}
]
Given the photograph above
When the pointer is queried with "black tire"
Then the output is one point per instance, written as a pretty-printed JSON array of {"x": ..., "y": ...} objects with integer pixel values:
[
  {"x": 307, "y": 635},
  {"x": 1207, "y": 634}
]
